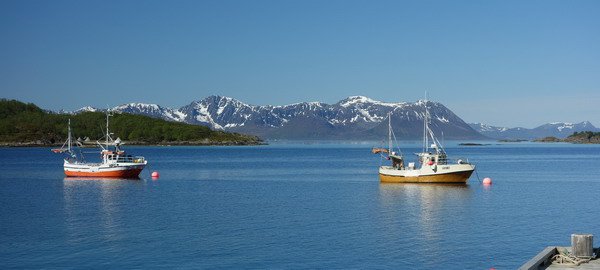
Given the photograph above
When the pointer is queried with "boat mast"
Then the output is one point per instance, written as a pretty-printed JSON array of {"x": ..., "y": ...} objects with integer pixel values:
[
  {"x": 69, "y": 138},
  {"x": 427, "y": 133},
  {"x": 107, "y": 134},
  {"x": 389, "y": 133},
  {"x": 425, "y": 126}
]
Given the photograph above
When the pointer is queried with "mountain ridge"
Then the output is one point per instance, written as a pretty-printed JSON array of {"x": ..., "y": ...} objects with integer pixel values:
[
  {"x": 355, "y": 117},
  {"x": 555, "y": 129}
]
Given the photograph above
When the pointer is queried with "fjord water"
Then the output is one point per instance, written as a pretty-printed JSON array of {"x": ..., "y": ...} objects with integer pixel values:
[{"x": 295, "y": 206}]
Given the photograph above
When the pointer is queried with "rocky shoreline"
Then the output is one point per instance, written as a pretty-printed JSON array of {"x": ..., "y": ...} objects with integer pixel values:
[{"x": 174, "y": 143}]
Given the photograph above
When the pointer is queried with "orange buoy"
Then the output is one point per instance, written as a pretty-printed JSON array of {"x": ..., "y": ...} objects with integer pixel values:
[
  {"x": 487, "y": 181},
  {"x": 155, "y": 174}
]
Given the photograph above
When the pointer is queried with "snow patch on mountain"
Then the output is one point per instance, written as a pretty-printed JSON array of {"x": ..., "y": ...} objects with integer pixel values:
[
  {"x": 442, "y": 119},
  {"x": 205, "y": 116},
  {"x": 85, "y": 109},
  {"x": 362, "y": 100}
]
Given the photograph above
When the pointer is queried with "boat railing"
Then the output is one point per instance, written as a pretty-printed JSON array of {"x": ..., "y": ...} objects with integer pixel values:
[
  {"x": 131, "y": 159},
  {"x": 458, "y": 160},
  {"x": 81, "y": 162},
  {"x": 452, "y": 160}
]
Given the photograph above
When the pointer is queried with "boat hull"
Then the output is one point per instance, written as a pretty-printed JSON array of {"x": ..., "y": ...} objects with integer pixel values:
[
  {"x": 127, "y": 170},
  {"x": 455, "y": 175},
  {"x": 126, "y": 173}
]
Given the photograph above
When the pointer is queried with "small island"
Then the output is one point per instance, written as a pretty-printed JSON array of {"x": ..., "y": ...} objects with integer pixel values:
[
  {"x": 512, "y": 140},
  {"x": 25, "y": 124},
  {"x": 583, "y": 137},
  {"x": 548, "y": 139},
  {"x": 473, "y": 144}
]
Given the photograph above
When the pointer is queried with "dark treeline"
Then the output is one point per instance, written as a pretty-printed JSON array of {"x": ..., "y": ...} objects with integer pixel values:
[{"x": 27, "y": 123}]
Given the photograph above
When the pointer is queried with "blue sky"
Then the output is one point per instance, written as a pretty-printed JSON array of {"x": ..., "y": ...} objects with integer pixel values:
[{"x": 508, "y": 63}]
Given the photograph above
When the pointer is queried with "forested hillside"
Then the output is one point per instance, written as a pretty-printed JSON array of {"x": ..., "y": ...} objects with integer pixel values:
[{"x": 27, "y": 124}]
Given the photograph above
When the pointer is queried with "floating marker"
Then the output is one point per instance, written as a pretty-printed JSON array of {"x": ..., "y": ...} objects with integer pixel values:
[
  {"x": 155, "y": 174},
  {"x": 487, "y": 181}
]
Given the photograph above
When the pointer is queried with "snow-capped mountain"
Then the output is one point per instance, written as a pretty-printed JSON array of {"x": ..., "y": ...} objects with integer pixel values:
[
  {"x": 152, "y": 110},
  {"x": 556, "y": 129},
  {"x": 355, "y": 117},
  {"x": 567, "y": 128},
  {"x": 80, "y": 110}
]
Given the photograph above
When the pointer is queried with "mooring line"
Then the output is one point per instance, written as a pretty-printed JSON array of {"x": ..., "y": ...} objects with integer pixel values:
[{"x": 477, "y": 174}]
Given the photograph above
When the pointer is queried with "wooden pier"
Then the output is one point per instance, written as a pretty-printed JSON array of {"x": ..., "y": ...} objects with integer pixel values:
[
  {"x": 580, "y": 255},
  {"x": 543, "y": 261}
]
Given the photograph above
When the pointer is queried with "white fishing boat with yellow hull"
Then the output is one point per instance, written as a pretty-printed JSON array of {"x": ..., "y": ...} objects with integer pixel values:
[
  {"x": 451, "y": 173},
  {"x": 434, "y": 165}
]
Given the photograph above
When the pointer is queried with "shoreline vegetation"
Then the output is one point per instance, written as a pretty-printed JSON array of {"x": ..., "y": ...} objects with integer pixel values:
[
  {"x": 27, "y": 125},
  {"x": 583, "y": 137}
]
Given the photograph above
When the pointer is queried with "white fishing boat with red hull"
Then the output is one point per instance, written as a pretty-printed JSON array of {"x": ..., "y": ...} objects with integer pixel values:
[{"x": 114, "y": 163}]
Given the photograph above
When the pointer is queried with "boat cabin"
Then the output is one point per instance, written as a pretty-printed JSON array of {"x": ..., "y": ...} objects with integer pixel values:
[
  {"x": 432, "y": 158},
  {"x": 397, "y": 161},
  {"x": 120, "y": 156}
]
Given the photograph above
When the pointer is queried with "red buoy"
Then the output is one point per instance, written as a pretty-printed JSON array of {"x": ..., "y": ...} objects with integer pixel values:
[
  {"x": 487, "y": 181},
  {"x": 430, "y": 163},
  {"x": 155, "y": 174}
]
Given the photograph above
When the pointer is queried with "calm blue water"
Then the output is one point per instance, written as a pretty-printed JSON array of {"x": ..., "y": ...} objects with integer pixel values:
[{"x": 295, "y": 206}]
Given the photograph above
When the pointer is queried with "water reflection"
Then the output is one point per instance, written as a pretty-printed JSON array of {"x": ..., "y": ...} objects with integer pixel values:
[
  {"x": 97, "y": 201},
  {"x": 423, "y": 209}
]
